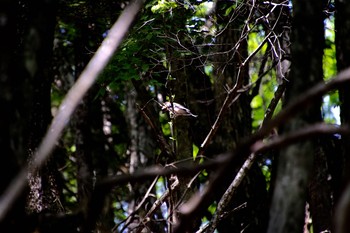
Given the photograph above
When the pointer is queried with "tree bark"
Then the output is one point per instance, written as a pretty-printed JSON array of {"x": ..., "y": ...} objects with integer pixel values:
[
  {"x": 16, "y": 92},
  {"x": 44, "y": 194},
  {"x": 342, "y": 27},
  {"x": 320, "y": 190},
  {"x": 237, "y": 123},
  {"x": 295, "y": 162},
  {"x": 141, "y": 153},
  {"x": 342, "y": 186}
]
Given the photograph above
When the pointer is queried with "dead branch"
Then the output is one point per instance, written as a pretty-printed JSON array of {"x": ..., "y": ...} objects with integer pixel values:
[
  {"x": 195, "y": 204},
  {"x": 302, "y": 134},
  {"x": 163, "y": 144},
  {"x": 233, "y": 93},
  {"x": 71, "y": 101},
  {"x": 220, "y": 160},
  {"x": 128, "y": 219},
  {"x": 226, "y": 198}
]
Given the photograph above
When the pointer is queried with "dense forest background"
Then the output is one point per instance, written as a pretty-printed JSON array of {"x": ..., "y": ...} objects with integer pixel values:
[{"x": 88, "y": 143}]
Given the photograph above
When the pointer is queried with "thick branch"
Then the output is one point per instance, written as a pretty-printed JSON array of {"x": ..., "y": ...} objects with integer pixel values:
[
  {"x": 69, "y": 104},
  {"x": 195, "y": 204}
]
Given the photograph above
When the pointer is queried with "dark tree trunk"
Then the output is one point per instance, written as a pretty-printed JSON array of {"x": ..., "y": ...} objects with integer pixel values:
[
  {"x": 228, "y": 72},
  {"x": 295, "y": 162},
  {"x": 342, "y": 40},
  {"x": 237, "y": 124},
  {"x": 321, "y": 195},
  {"x": 320, "y": 190},
  {"x": 141, "y": 152},
  {"x": 280, "y": 18},
  {"x": 342, "y": 27},
  {"x": 88, "y": 125},
  {"x": 16, "y": 92},
  {"x": 38, "y": 46},
  {"x": 178, "y": 90}
]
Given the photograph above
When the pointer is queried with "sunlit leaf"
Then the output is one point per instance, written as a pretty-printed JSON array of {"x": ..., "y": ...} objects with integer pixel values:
[{"x": 256, "y": 102}]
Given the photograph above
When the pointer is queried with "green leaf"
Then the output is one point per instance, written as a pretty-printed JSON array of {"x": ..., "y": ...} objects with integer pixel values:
[
  {"x": 257, "y": 102},
  {"x": 212, "y": 208},
  {"x": 145, "y": 67},
  {"x": 164, "y": 6},
  {"x": 203, "y": 9},
  {"x": 195, "y": 151},
  {"x": 267, "y": 173}
]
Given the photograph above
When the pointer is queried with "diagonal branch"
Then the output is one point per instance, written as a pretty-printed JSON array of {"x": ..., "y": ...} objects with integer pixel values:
[
  {"x": 217, "y": 163},
  {"x": 221, "y": 161},
  {"x": 163, "y": 144},
  {"x": 232, "y": 96},
  {"x": 71, "y": 101},
  {"x": 195, "y": 204},
  {"x": 227, "y": 196}
]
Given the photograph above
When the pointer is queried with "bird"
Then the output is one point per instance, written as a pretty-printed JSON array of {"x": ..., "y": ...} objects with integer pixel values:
[{"x": 176, "y": 109}]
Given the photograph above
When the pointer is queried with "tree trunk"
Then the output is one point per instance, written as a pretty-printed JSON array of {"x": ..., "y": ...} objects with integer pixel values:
[
  {"x": 88, "y": 123},
  {"x": 295, "y": 162},
  {"x": 141, "y": 152},
  {"x": 15, "y": 94},
  {"x": 237, "y": 123},
  {"x": 342, "y": 27},
  {"x": 320, "y": 190},
  {"x": 342, "y": 40},
  {"x": 178, "y": 90},
  {"x": 38, "y": 44}
]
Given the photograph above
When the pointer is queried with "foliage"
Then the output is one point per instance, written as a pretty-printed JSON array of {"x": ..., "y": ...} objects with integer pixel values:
[
  {"x": 330, "y": 102},
  {"x": 126, "y": 134}
]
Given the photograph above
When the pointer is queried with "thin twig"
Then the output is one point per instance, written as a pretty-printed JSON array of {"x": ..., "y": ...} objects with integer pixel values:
[
  {"x": 223, "y": 159},
  {"x": 157, "y": 204},
  {"x": 227, "y": 196},
  {"x": 232, "y": 96},
  {"x": 164, "y": 146},
  {"x": 147, "y": 194},
  {"x": 195, "y": 204}
]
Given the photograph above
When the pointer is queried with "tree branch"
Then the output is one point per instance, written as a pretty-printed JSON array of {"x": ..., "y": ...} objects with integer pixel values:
[
  {"x": 71, "y": 101},
  {"x": 226, "y": 198},
  {"x": 232, "y": 96},
  {"x": 163, "y": 144},
  {"x": 195, "y": 204},
  {"x": 219, "y": 162}
]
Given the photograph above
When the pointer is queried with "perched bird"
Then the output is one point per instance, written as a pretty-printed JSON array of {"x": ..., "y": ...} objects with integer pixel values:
[{"x": 176, "y": 109}]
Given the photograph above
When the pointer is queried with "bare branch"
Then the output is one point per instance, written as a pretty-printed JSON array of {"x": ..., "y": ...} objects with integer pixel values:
[
  {"x": 147, "y": 194},
  {"x": 233, "y": 93},
  {"x": 192, "y": 168},
  {"x": 226, "y": 198},
  {"x": 195, "y": 204},
  {"x": 302, "y": 134},
  {"x": 164, "y": 145},
  {"x": 221, "y": 161},
  {"x": 157, "y": 204},
  {"x": 303, "y": 102},
  {"x": 71, "y": 101},
  {"x": 273, "y": 103}
]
